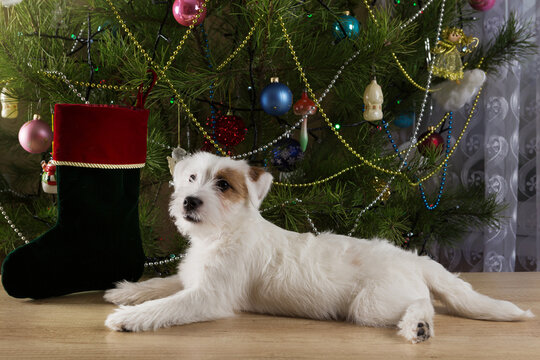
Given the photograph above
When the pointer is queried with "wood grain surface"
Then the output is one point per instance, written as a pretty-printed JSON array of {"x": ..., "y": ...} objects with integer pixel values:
[{"x": 71, "y": 327}]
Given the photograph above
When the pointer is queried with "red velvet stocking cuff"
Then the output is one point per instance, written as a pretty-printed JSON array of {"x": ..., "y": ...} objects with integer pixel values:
[{"x": 100, "y": 136}]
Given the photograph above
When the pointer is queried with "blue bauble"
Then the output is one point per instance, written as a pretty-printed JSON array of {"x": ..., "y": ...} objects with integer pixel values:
[
  {"x": 404, "y": 120},
  {"x": 349, "y": 24},
  {"x": 276, "y": 99},
  {"x": 286, "y": 154}
]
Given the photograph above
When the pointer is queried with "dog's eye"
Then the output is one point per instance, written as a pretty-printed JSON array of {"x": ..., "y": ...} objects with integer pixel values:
[
  {"x": 222, "y": 185},
  {"x": 192, "y": 178}
]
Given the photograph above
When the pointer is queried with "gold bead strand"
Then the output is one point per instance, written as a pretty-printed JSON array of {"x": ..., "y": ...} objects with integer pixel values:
[
  {"x": 321, "y": 111},
  {"x": 458, "y": 140},
  {"x": 428, "y": 134},
  {"x": 185, "y": 36},
  {"x": 241, "y": 46}
]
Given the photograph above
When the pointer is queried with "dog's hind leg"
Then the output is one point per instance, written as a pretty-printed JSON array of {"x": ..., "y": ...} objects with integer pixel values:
[
  {"x": 416, "y": 325},
  {"x": 400, "y": 302},
  {"x": 132, "y": 293}
]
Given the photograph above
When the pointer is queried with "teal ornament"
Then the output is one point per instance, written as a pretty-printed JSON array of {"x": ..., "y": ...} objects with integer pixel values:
[
  {"x": 286, "y": 154},
  {"x": 405, "y": 120},
  {"x": 276, "y": 98},
  {"x": 351, "y": 27}
]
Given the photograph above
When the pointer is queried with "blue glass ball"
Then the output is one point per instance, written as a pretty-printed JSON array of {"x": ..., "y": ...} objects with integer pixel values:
[
  {"x": 404, "y": 120},
  {"x": 286, "y": 154},
  {"x": 349, "y": 24},
  {"x": 276, "y": 99}
]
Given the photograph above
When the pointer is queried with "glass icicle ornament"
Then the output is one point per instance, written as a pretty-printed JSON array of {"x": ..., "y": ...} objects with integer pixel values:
[{"x": 304, "y": 107}]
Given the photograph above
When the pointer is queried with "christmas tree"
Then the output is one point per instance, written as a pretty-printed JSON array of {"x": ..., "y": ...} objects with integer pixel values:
[{"x": 341, "y": 162}]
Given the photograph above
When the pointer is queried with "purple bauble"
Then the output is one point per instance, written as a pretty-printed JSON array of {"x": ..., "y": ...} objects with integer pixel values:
[
  {"x": 185, "y": 11},
  {"x": 482, "y": 5},
  {"x": 35, "y": 136}
]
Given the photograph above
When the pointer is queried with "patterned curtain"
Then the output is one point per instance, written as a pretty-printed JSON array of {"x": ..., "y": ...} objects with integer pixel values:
[{"x": 499, "y": 150}]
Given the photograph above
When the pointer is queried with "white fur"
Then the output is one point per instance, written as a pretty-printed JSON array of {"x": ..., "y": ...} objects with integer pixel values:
[
  {"x": 452, "y": 96},
  {"x": 238, "y": 261}
]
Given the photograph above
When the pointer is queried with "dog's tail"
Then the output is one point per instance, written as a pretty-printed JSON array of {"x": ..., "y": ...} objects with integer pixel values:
[{"x": 462, "y": 300}]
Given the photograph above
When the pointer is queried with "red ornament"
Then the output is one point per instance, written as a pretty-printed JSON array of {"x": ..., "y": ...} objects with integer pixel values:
[
  {"x": 35, "y": 136},
  {"x": 304, "y": 106},
  {"x": 482, "y": 5},
  {"x": 433, "y": 141},
  {"x": 185, "y": 11},
  {"x": 229, "y": 130}
]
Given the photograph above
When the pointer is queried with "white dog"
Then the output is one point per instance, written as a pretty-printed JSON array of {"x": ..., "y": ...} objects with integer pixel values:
[{"x": 238, "y": 261}]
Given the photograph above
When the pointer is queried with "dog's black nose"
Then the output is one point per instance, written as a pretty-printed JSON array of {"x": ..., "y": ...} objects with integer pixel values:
[{"x": 192, "y": 203}]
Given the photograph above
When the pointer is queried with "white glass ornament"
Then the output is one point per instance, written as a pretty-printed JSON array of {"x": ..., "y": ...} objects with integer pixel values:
[
  {"x": 373, "y": 100},
  {"x": 8, "y": 3},
  {"x": 10, "y": 106}
]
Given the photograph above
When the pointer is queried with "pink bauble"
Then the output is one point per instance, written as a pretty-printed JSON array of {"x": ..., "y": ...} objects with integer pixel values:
[
  {"x": 185, "y": 11},
  {"x": 35, "y": 136},
  {"x": 482, "y": 5}
]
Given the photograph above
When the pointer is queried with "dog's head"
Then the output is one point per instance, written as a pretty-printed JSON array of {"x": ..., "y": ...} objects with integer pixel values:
[{"x": 211, "y": 192}]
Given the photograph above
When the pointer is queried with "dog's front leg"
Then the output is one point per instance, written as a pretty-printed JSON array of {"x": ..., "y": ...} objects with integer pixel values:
[{"x": 184, "y": 307}]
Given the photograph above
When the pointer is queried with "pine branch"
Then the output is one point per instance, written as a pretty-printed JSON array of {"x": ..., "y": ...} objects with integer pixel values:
[{"x": 513, "y": 41}]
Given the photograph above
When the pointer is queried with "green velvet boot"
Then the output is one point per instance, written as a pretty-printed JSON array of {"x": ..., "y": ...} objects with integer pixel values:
[{"x": 98, "y": 151}]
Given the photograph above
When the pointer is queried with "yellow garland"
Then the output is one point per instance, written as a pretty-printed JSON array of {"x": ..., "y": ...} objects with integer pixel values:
[
  {"x": 6, "y": 81},
  {"x": 89, "y": 84},
  {"x": 455, "y": 145},
  {"x": 321, "y": 111},
  {"x": 408, "y": 77},
  {"x": 139, "y": 46},
  {"x": 344, "y": 142},
  {"x": 241, "y": 46},
  {"x": 428, "y": 134},
  {"x": 161, "y": 71},
  {"x": 370, "y": 163}
]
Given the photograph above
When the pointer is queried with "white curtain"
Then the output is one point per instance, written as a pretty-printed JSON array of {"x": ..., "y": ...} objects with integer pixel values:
[{"x": 499, "y": 150}]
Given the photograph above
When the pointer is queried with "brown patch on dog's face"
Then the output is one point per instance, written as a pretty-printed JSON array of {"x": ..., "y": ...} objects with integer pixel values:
[
  {"x": 255, "y": 173},
  {"x": 237, "y": 190}
]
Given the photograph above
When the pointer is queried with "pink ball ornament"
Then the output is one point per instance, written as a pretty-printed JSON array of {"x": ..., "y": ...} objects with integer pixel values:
[
  {"x": 35, "y": 136},
  {"x": 482, "y": 5},
  {"x": 185, "y": 11}
]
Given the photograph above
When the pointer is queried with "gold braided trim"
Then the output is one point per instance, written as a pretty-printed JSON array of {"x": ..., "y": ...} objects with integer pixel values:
[
  {"x": 2, "y": 82},
  {"x": 98, "y": 166}
]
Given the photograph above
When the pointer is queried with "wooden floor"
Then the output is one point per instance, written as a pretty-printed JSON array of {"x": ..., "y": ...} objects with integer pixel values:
[{"x": 71, "y": 327}]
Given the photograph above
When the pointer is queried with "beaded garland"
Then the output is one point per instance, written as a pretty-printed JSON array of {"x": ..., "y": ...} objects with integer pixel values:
[
  {"x": 162, "y": 71},
  {"x": 174, "y": 257},
  {"x": 205, "y": 133},
  {"x": 212, "y": 120},
  {"x": 428, "y": 206}
]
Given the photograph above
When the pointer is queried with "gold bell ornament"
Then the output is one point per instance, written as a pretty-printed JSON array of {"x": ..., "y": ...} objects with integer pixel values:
[
  {"x": 10, "y": 106},
  {"x": 373, "y": 100}
]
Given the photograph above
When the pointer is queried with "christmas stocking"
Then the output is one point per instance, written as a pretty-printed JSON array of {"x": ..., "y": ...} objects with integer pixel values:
[{"x": 98, "y": 151}]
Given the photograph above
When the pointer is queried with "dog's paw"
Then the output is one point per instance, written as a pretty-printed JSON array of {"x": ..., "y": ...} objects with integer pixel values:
[
  {"x": 129, "y": 319},
  {"x": 416, "y": 332},
  {"x": 423, "y": 332},
  {"x": 123, "y": 294}
]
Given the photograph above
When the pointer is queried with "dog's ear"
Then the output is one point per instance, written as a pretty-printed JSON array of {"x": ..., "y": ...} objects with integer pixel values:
[
  {"x": 178, "y": 154},
  {"x": 259, "y": 182}
]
